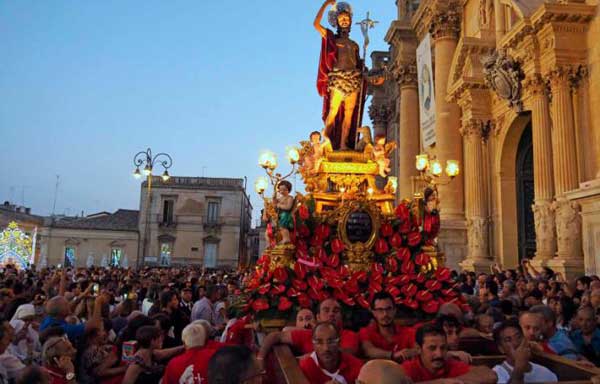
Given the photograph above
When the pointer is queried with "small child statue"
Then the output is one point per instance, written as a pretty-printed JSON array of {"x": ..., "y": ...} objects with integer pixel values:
[
  {"x": 380, "y": 154},
  {"x": 284, "y": 203},
  {"x": 320, "y": 146}
]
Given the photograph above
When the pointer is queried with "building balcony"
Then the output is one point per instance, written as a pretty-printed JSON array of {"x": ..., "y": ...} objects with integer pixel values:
[
  {"x": 214, "y": 224},
  {"x": 166, "y": 222}
]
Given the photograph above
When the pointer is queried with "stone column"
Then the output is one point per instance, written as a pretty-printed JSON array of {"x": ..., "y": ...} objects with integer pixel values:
[
  {"x": 499, "y": 20},
  {"x": 542, "y": 170},
  {"x": 569, "y": 258},
  {"x": 444, "y": 30},
  {"x": 478, "y": 257},
  {"x": 409, "y": 133}
]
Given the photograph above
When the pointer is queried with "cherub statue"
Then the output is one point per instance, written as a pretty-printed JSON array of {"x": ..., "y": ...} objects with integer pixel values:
[
  {"x": 380, "y": 154},
  {"x": 365, "y": 138},
  {"x": 284, "y": 203},
  {"x": 320, "y": 146}
]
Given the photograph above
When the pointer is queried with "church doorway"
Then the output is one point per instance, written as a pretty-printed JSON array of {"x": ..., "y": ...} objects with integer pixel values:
[{"x": 525, "y": 195}]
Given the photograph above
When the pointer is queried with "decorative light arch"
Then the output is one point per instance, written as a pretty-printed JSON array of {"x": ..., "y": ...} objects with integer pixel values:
[{"x": 15, "y": 247}]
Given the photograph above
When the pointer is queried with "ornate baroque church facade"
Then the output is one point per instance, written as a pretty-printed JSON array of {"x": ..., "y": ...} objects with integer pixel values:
[{"x": 516, "y": 105}]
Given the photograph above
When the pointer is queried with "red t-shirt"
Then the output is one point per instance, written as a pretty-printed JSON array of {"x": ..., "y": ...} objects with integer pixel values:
[
  {"x": 417, "y": 372},
  {"x": 404, "y": 337},
  {"x": 349, "y": 368},
  {"x": 302, "y": 341},
  {"x": 55, "y": 376},
  {"x": 191, "y": 367}
]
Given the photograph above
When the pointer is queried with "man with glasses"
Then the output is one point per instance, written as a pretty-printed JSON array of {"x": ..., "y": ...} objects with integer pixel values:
[
  {"x": 329, "y": 310},
  {"x": 383, "y": 338},
  {"x": 327, "y": 363},
  {"x": 517, "y": 367},
  {"x": 433, "y": 365}
]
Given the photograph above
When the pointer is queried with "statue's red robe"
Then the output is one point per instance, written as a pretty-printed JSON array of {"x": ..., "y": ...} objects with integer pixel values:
[{"x": 327, "y": 61}]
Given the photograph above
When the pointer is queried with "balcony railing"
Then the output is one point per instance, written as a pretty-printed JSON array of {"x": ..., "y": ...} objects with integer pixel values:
[{"x": 166, "y": 222}]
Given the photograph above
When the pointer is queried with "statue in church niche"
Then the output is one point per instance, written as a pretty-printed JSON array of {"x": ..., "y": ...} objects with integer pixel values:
[{"x": 340, "y": 79}]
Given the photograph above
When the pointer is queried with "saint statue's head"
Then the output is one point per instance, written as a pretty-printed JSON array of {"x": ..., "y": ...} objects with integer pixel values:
[
  {"x": 284, "y": 187},
  {"x": 340, "y": 17}
]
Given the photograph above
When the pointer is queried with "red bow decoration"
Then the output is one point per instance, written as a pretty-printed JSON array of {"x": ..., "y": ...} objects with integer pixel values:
[
  {"x": 360, "y": 299},
  {"x": 381, "y": 246},
  {"x": 421, "y": 277},
  {"x": 260, "y": 305},
  {"x": 292, "y": 292},
  {"x": 351, "y": 286},
  {"x": 433, "y": 285},
  {"x": 337, "y": 246},
  {"x": 414, "y": 239},
  {"x": 284, "y": 304},
  {"x": 430, "y": 306},
  {"x": 403, "y": 254},
  {"x": 442, "y": 274},
  {"x": 333, "y": 260},
  {"x": 300, "y": 270},
  {"x": 411, "y": 303},
  {"x": 278, "y": 289},
  {"x": 303, "y": 212},
  {"x": 396, "y": 240},
  {"x": 386, "y": 230},
  {"x": 450, "y": 292},
  {"x": 431, "y": 224},
  {"x": 300, "y": 285},
  {"x": 323, "y": 231},
  {"x": 280, "y": 275},
  {"x": 408, "y": 267},
  {"x": 402, "y": 212},
  {"x": 316, "y": 240},
  {"x": 394, "y": 291},
  {"x": 409, "y": 290},
  {"x": 423, "y": 296},
  {"x": 264, "y": 288},
  {"x": 422, "y": 259},
  {"x": 360, "y": 276},
  {"x": 391, "y": 264}
]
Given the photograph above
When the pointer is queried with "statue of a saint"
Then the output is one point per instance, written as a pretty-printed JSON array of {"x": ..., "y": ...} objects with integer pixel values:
[{"x": 340, "y": 80}]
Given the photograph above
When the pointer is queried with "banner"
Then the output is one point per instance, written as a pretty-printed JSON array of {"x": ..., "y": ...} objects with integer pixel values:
[{"x": 426, "y": 92}]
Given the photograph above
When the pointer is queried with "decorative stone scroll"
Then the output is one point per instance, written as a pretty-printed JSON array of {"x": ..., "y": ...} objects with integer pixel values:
[{"x": 503, "y": 74}]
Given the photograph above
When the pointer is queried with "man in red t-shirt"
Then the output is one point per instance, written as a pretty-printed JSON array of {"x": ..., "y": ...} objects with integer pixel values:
[
  {"x": 192, "y": 366},
  {"x": 329, "y": 310},
  {"x": 328, "y": 363},
  {"x": 433, "y": 363},
  {"x": 383, "y": 338}
]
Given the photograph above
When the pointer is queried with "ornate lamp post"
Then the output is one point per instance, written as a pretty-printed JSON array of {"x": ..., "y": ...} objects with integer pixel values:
[
  {"x": 147, "y": 162},
  {"x": 268, "y": 161},
  {"x": 431, "y": 169}
]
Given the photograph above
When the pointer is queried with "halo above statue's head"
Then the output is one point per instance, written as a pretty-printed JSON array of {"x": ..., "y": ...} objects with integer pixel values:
[{"x": 336, "y": 10}]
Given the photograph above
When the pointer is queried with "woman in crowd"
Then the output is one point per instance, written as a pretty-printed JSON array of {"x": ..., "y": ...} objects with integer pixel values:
[{"x": 99, "y": 361}]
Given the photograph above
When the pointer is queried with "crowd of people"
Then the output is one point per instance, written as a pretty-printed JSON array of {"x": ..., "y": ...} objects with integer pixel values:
[{"x": 172, "y": 325}]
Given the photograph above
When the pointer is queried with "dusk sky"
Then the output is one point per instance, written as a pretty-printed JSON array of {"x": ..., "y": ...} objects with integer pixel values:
[{"x": 86, "y": 84}]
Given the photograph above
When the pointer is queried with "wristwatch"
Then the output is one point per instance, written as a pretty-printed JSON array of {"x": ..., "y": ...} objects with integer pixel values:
[{"x": 70, "y": 376}]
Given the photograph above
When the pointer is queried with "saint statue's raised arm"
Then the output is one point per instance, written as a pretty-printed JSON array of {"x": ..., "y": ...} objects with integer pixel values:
[{"x": 340, "y": 80}]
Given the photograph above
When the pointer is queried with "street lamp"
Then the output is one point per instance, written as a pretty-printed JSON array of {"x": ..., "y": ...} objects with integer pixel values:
[
  {"x": 431, "y": 169},
  {"x": 146, "y": 160}
]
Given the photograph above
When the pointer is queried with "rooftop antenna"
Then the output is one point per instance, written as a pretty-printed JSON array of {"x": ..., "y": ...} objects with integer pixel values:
[{"x": 55, "y": 193}]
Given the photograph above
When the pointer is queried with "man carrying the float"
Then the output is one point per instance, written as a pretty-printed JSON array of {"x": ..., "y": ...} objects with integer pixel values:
[{"x": 340, "y": 77}]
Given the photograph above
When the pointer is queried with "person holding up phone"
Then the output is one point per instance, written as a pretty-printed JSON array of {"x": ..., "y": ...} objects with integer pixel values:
[{"x": 58, "y": 355}]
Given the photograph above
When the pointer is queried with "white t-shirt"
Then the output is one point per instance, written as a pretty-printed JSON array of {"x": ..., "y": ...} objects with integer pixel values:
[{"x": 537, "y": 374}]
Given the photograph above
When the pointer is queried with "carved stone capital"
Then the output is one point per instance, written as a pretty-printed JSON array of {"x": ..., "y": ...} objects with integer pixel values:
[
  {"x": 568, "y": 228},
  {"x": 561, "y": 76},
  {"x": 545, "y": 234},
  {"x": 445, "y": 24},
  {"x": 535, "y": 85},
  {"x": 379, "y": 114},
  {"x": 405, "y": 74},
  {"x": 476, "y": 128},
  {"x": 477, "y": 236}
]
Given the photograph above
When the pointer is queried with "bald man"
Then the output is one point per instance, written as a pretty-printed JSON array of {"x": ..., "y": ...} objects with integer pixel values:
[
  {"x": 382, "y": 372},
  {"x": 58, "y": 309}
]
